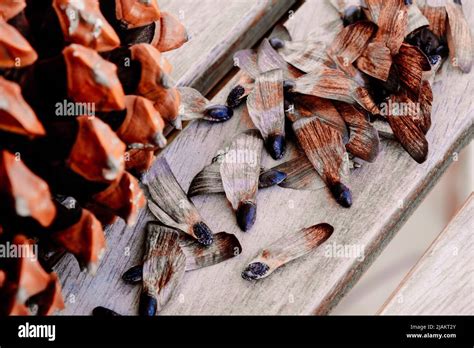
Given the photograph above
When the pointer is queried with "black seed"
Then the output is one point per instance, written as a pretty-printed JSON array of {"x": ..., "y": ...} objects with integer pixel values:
[
  {"x": 381, "y": 90},
  {"x": 351, "y": 15},
  {"x": 104, "y": 312},
  {"x": 234, "y": 99},
  {"x": 218, "y": 113},
  {"x": 442, "y": 50},
  {"x": 148, "y": 305},
  {"x": 246, "y": 215},
  {"x": 134, "y": 275},
  {"x": 255, "y": 271},
  {"x": 271, "y": 178},
  {"x": 459, "y": 2},
  {"x": 276, "y": 146},
  {"x": 277, "y": 43},
  {"x": 408, "y": 2},
  {"x": 288, "y": 85},
  {"x": 427, "y": 41},
  {"x": 434, "y": 59},
  {"x": 342, "y": 194},
  {"x": 203, "y": 233}
]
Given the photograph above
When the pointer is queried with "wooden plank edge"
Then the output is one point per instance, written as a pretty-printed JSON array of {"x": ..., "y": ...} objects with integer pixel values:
[
  {"x": 396, "y": 223},
  {"x": 417, "y": 265},
  {"x": 250, "y": 32}
]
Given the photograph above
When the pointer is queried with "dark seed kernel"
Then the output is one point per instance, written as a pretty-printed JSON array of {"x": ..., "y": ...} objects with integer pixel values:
[
  {"x": 277, "y": 43},
  {"x": 255, "y": 271},
  {"x": 246, "y": 215},
  {"x": 234, "y": 99},
  {"x": 148, "y": 305},
  {"x": 218, "y": 113},
  {"x": 434, "y": 59},
  {"x": 351, "y": 15},
  {"x": 288, "y": 85},
  {"x": 276, "y": 146},
  {"x": 134, "y": 275},
  {"x": 342, "y": 194},
  {"x": 203, "y": 233},
  {"x": 104, "y": 312},
  {"x": 381, "y": 90},
  {"x": 442, "y": 50},
  {"x": 271, "y": 178},
  {"x": 427, "y": 41}
]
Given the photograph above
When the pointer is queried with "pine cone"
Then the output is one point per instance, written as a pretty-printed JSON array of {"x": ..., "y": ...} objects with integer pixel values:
[{"x": 84, "y": 98}]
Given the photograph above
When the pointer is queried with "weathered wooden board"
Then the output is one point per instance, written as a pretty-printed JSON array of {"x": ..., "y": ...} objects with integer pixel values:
[
  {"x": 385, "y": 193},
  {"x": 442, "y": 282},
  {"x": 216, "y": 29}
]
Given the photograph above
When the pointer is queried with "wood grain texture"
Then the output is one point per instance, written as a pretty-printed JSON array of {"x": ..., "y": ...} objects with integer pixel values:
[
  {"x": 385, "y": 194},
  {"x": 442, "y": 282},
  {"x": 217, "y": 29}
]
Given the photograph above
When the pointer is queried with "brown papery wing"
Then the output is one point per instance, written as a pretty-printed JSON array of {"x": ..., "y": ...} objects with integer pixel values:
[
  {"x": 164, "y": 264},
  {"x": 169, "y": 197},
  {"x": 309, "y": 106},
  {"x": 350, "y": 43},
  {"x": 392, "y": 20},
  {"x": 392, "y": 23},
  {"x": 426, "y": 100},
  {"x": 246, "y": 60},
  {"x": 376, "y": 61},
  {"x": 437, "y": 17},
  {"x": 301, "y": 174},
  {"x": 193, "y": 104},
  {"x": 459, "y": 37},
  {"x": 304, "y": 54},
  {"x": 269, "y": 59},
  {"x": 336, "y": 85},
  {"x": 325, "y": 149},
  {"x": 207, "y": 181},
  {"x": 288, "y": 248},
  {"x": 225, "y": 246},
  {"x": 411, "y": 63},
  {"x": 364, "y": 139},
  {"x": 402, "y": 116},
  {"x": 240, "y": 168},
  {"x": 266, "y": 105},
  {"x": 416, "y": 19}
]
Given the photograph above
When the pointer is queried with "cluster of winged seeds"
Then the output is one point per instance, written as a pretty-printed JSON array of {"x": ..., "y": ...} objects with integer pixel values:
[
  {"x": 85, "y": 95},
  {"x": 370, "y": 74}
]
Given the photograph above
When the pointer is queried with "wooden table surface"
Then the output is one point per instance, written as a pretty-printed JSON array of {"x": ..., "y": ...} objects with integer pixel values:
[
  {"x": 385, "y": 194},
  {"x": 442, "y": 282},
  {"x": 217, "y": 28}
]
